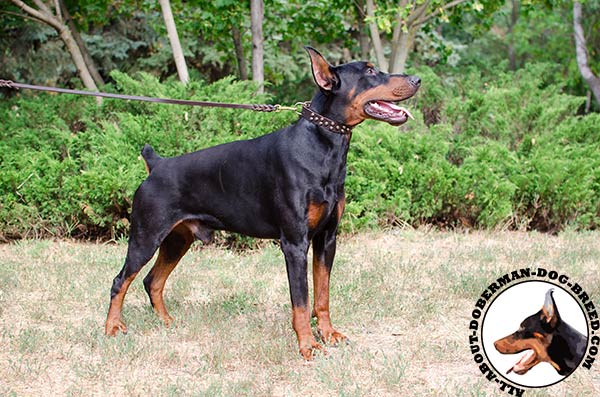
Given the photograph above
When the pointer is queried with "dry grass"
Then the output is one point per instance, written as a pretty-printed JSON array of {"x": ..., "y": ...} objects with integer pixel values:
[{"x": 403, "y": 297}]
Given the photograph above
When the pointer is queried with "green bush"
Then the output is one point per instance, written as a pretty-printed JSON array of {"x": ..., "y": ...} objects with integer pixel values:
[
  {"x": 510, "y": 153},
  {"x": 70, "y": 168}
]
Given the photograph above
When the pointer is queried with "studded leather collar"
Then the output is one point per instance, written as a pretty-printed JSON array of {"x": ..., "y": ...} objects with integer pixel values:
[{"x": 324, "y": 122}]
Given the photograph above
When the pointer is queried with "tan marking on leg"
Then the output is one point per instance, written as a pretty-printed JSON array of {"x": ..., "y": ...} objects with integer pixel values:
[
  {"x": 159, "y": 273},
  {"x": 306, "y": 340},
  {"x": 164, "y": 265},
  {"x": 114, "y": 324},
  {"x": 321, "y": 306}
]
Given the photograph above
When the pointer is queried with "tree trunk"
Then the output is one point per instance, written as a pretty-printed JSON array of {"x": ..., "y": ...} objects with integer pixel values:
[
  {"x": 514, "y": 17},
  {"x": 73, "y": 48},
  {"x": 363, "y": 31},
  {"x": 45, "y": 15},
  {"x": 398, "y": 35},
  {"x": 363, "y": 39},
  {"x": 257, "y": 14},
  {"x": 403, "y": 38},
  {"x": 405, "y": 29},
  {"x": 182, "y": 70},
  {"x": 582, "y": 56},
  {"x": 402, "y": 48},
  {"x": 91, "y": 65},
  {"x": 239, "y": 52},
  {"x": 375, "y": 38}
]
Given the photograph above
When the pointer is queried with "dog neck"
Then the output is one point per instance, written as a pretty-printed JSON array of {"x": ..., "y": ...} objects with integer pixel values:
[{"x": 324, "y": 122}]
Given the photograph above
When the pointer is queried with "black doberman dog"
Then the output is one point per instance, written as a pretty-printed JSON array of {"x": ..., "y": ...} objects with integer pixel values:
[
  {"x": 546, "y": 338},
  {"x": 287, "y": 185}
]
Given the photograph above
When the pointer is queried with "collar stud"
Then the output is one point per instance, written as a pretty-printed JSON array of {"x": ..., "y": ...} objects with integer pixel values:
[{"x": 322, "y": 121}]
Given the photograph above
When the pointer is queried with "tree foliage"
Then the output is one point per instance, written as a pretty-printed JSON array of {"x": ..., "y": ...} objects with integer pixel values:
[
  {"x": 504, "y": 153},
  {"x": 506, "y": 135},
  {"x": 401, "y": 21},
  {"x": 130, "y": 36}
]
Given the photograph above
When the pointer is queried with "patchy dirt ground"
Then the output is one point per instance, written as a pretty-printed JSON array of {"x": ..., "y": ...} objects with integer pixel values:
[{"x": 404, "y": 298}]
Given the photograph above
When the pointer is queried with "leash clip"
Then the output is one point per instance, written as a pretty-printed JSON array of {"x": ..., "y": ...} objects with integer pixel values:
[
  {"x": 296, "y": 107},
  {"x": 7, "y": 84}
]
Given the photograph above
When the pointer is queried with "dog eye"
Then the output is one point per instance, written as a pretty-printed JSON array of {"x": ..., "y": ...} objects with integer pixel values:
[{"x": 371, "y": 72}]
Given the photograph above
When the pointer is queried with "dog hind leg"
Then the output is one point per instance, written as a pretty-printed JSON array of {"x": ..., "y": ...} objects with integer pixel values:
[
  {"x": 137, "y": 256},
  {"x": 172, "y": 249}
]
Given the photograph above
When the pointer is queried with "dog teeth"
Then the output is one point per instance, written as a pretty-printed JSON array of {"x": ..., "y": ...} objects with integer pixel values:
[
  {"x": 388, "y": 107},
  {"x": 410, "y": 116}
]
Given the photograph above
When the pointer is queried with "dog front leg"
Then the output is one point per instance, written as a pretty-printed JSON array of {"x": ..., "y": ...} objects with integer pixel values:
[
  {"x": 323, "y": 254},
  {"x": 295, "y": 260}
]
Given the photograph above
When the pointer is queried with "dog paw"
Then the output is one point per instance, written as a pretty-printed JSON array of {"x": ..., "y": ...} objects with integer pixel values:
[
  {"x": 168, "y": 320},
  {"x": 332, "y": 337},
  {"x": 307, "y": 351},
  {"x": 113, "y": 327}
]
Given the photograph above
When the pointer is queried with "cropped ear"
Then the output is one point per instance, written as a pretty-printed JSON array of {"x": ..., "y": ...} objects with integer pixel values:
[
  {"x": 322, "y": 71},
  {"x": 549, "y": 312}
]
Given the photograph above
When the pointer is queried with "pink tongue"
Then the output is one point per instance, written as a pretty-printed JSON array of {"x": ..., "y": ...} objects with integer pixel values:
[
  {"x": 389, "y": 107},
  {"x": 520, "y": 366}
]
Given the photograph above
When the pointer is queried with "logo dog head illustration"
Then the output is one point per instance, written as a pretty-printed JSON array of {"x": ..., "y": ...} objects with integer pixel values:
[{"x": 545, "y": 337}]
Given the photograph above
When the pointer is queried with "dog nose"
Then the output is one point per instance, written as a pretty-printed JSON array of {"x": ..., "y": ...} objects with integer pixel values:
[{"x": 415, "y": 80}]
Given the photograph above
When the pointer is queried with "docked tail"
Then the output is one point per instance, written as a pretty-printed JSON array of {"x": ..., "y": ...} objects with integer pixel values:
[{"x": 150, "y": 157}]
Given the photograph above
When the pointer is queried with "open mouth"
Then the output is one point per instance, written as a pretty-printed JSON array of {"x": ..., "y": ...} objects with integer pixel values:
[
  {"x": 388, "y": 112},
  {"x": 524, "y": 363}
]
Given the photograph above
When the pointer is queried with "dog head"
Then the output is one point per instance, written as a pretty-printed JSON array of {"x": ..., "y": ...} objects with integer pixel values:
[
  {"x": 533, "y": 336},
  {"x": 364, "y": 91}
]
